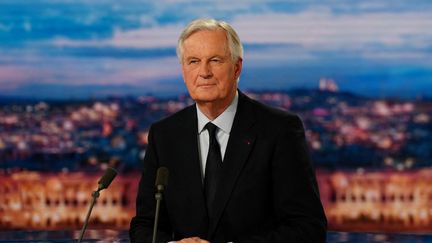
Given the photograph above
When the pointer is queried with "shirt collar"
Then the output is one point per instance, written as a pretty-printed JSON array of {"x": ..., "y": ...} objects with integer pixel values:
[{"x": 224, "y": 121}]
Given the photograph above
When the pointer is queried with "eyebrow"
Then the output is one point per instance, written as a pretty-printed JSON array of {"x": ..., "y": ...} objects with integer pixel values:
[
  {"x": 217, "y": 56},
  {"x": 197, "y": 58},
  {"x": 191, "y": 57}
]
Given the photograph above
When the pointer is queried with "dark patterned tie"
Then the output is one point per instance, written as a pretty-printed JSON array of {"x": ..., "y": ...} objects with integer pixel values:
[{"x": 213, "y": 168}]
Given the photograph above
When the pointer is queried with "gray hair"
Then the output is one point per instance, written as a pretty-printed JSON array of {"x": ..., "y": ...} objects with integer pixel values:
[{"x": 234, "y": 44}]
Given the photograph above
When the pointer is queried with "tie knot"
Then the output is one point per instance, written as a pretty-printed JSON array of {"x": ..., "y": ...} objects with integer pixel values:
[{"x": 211, "y": 128}]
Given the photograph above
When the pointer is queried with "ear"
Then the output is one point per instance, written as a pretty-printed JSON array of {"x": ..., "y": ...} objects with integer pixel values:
[{"x": 238, "y": 67}]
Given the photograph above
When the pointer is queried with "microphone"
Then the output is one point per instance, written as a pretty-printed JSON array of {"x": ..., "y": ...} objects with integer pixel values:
[
  {"x": 160, "y": 184},
  {"x": 103, "y": 183},
  {"x": 161, "y": 179},
  {"x": 107, "y": 178}
]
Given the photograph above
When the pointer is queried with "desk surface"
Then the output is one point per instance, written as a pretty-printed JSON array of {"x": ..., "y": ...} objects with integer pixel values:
[{"x": 111, "y": 236}]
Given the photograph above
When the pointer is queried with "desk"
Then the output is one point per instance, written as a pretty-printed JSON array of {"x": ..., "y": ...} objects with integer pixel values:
[
  {"x": 115, "y": 236},
  {"x": 65, "y": 236},
  {"x": 350, "y": 237}
]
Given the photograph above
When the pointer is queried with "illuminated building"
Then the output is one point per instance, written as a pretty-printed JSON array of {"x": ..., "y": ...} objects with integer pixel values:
[
  {"x": 32, "y": 200},
  {"x": 368, "y": 201},
  {"x": 328, "y": 85},
  {"x": 378, "y": 201}
]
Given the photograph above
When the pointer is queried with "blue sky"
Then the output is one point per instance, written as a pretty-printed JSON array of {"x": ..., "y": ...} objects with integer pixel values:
[{"x": 79, "y": 49}]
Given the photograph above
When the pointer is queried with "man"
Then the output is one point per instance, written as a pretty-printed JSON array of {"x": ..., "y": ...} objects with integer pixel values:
[{"x": 244, "y": 178}]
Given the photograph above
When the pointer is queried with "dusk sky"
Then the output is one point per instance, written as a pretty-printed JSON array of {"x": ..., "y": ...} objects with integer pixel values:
[{"x": 79, "y": 49}]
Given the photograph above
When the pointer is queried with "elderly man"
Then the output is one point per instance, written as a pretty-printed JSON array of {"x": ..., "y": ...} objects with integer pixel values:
[{"x": 239, "y": 170}]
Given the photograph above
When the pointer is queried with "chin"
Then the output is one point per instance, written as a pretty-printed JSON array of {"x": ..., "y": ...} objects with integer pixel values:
[
  {"x": 208, "y": 97},
  {"x": 205, "y": 99}
]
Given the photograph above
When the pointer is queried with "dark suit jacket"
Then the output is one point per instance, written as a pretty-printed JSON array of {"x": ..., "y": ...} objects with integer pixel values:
[{"x": 268, "y": 192}]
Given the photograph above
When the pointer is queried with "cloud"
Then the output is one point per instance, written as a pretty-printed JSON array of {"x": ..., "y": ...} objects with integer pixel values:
[
  {"x": 407, "y": 56},
  {"x": 320, "y": 29},
  {"x": 153, "y": 37},
  {"x": 72, "y": 71},
  {"x": 12, "y": 76},
  {"x": 312, "y": 29},
  {"x": 269, "y": 55},
  {"x": 164, "y": 36},
  {"x": 133, "y": 43}
]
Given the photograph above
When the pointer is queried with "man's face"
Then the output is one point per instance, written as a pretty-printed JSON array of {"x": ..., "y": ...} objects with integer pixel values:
[{"x": 208, "y": 70}]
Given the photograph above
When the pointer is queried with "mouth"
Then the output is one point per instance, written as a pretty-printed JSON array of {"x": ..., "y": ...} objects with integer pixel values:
[{"x": 206, "y": 85}]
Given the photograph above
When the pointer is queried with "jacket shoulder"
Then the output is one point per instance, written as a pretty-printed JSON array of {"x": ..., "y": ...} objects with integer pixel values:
[
  {"x": 275, "y": 117},
  {"x": 177, "y": 119}
]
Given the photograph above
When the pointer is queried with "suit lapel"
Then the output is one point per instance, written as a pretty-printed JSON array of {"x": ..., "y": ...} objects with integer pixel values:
[
  {"x": 190, "y": 169},
  {"x": 239, "y": 146}
]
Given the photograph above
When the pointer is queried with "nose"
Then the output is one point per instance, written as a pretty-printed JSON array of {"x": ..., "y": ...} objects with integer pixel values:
[{"x": 205, "y": 70}]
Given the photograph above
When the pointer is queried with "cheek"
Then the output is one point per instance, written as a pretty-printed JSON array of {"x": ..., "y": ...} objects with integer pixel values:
[
  {"x": 226, "y": 78},
  {"x": 190, "y": 82},
  {"x": 190, "y": 74}
]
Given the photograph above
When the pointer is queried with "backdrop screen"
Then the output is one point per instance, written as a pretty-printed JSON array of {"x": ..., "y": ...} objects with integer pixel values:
[{"x": 81, "y": 82}]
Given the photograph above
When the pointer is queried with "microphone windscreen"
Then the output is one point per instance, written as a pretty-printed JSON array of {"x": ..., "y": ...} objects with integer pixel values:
[
  {"x": 162, "y": 177},
  {"x": 107, "y": 178}
]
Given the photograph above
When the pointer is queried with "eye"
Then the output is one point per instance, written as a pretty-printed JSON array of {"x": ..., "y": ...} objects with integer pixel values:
[
  {"x": 193, "y": 61},
  {"x": 216, "y": 60}
]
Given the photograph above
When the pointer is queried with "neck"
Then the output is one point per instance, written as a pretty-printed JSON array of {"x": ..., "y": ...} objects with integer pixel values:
[{"x": 214, "y": 108}]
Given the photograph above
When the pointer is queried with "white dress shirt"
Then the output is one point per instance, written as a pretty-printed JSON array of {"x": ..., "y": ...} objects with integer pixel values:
[{"x": 224, "y": 122}]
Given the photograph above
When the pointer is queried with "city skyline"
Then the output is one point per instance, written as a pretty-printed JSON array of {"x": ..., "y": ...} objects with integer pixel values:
[
  {"x": 84, "y": 49},
  {"x": 342, "y": 130}
]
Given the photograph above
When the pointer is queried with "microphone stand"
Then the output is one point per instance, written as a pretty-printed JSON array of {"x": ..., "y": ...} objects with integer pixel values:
[
  {"x": 161, "y": 181},
  {"x": 104, "y": 182},
  {"x": 158, "y": 197},
  {"x": 95, "y": 195}
]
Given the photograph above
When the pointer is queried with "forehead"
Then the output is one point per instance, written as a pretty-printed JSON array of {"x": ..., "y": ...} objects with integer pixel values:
[{"x": 206, "y": 42}]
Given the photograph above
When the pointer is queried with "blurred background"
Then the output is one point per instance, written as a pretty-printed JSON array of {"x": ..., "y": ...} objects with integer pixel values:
[{"x": 81, "y": 81}]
